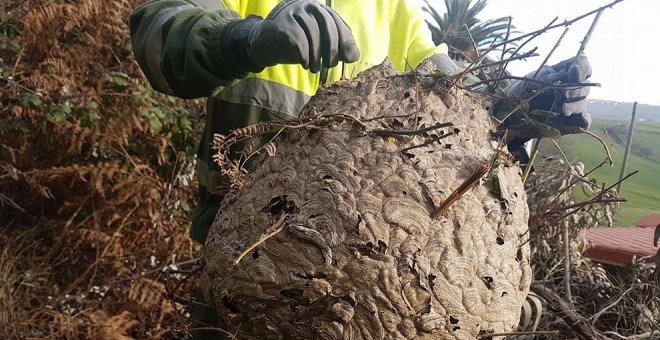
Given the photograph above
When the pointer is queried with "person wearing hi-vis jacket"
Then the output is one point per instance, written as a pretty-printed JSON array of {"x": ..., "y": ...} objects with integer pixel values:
[{"x": 262, "y": 60}]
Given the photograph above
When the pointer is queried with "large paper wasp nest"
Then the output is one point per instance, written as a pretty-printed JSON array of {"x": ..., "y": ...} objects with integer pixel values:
[{"x": 332, "y": 235}]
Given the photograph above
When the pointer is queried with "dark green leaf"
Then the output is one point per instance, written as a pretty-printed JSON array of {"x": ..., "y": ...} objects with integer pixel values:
[
  {"x": 547, "y": 131},
  {"x": 500, "y": 185},
  {"x": 542, "y": 115},
  {"x": 505, "y": 107},
  {"x": 120, "y": 79},
  {"x": 59, "y": 113},
  {"x": 30, "y": 100},
  {"x": 155, "y": 123}
]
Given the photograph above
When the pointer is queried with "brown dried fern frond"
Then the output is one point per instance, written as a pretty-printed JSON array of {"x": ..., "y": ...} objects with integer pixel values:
[
  {"x": 78, "y": 153},
  {"x": 118, "y": 326},
  {"x": 147, "y": 293},
  {"x": 46, "y": 23}
]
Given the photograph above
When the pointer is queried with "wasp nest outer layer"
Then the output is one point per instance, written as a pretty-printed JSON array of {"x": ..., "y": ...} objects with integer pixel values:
[{"x": 358, "y": 255}]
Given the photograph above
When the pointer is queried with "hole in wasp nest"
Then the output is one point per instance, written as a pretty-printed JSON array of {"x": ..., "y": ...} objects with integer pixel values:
[
  {"x": 488, "y": 281},
  {"x": 279, "y": 205},
  {"x": 453, "y": 320}
]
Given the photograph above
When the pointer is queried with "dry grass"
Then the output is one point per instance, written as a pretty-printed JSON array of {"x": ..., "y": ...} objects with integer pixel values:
[
  {"x": 9, "y": 280},
  {"x": 621, "y": 301}
]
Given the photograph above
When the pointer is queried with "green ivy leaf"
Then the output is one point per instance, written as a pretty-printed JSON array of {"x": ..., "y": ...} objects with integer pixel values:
[
  {"x": 91, "y": 118},
  {"x": 56, "y": 116},
  {"x": 59, "y": 113},
  {"x": 28, "y": 99},
  {"x": 120, "y": 79}
]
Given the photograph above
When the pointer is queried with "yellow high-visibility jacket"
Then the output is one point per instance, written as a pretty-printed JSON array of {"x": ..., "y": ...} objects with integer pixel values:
[
  {"x": 176, "y": 43},
  {"x": 382, "y": 28}
]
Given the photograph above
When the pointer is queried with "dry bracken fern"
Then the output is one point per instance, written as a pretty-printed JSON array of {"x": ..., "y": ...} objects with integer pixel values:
[{"x": 93, "y": 183}]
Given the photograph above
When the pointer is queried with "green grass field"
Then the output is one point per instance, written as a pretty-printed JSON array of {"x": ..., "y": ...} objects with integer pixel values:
[{"x": 641, "y": 190}]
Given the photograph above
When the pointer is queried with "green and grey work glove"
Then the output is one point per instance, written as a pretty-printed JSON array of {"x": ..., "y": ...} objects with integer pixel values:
[
  {"x": 303, "y": 32},
  {"x": 570, "y": 103}
]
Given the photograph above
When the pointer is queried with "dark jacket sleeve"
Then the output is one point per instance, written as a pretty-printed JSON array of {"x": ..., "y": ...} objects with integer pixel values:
[{"x": 180, "y": 46}]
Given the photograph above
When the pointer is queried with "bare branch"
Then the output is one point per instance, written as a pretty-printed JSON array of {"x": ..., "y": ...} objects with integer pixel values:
[
  {"x": 578, "y": 324},
  {"x": 8, "y": 200},
  {"x": 535, "y": 152},
  {"x": 531, "y": 53},
  {"x": 582, "y": 178},
  {"x": 483, "y": 336},
  {"x": 162, "y": 269},
  {"x": 454, "y": 49},
  {"x": 474, "y": 43},
  {"x": 519, "y": 48},
  {"x": 431, "y": 141},
  {"x": 11, "y": 81},
  {"x": 380, "y": 132},
  {"x": 506, "y": 37},
  {"x": 607, "y": 150},
  {"x": 576, "y": 205},
  {"x": 561, "y": 152},
  {"x": 595, "y": 317},
  {"x": 479, "y": 172},
  {"x": 272, "y": 231},
  {"x": 545, "y": 61},
  {"x": 577, "y": 209},
  {"x": 563, "y": 24},
  {"x": 504, "y": 50},
  {"x": 587, "y": 37},
  {"x": 459, "y": 77},
  {"x": 545, "y": 83}
]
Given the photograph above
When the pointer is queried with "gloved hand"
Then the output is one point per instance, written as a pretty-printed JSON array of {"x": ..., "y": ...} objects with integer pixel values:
[
  {"x": 570, "y": 103},
  {"x": 301, "y": 32}
]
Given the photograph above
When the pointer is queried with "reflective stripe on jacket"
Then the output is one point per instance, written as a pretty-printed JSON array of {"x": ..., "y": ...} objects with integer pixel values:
[{"x": 382, "y": 28}]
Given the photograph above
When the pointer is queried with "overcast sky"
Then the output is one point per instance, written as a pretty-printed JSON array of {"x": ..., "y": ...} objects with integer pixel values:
[{"x": 624, "y": 51}]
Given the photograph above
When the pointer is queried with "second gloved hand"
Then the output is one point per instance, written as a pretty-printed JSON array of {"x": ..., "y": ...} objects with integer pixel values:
[
  {"x": 301, "y": 32},
  {"x": 570, "y": 103}
]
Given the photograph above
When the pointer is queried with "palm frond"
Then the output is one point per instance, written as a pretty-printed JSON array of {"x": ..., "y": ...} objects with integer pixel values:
[{"x": 452, "y": 26}]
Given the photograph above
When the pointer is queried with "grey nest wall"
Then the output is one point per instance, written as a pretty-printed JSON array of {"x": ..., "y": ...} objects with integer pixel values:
[{"x": 354, "y": 252}]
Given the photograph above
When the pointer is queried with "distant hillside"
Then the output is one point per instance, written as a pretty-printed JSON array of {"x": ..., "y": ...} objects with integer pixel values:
[
  {"x": 642, "y": 189},
  {"x": 605, "y": 109},
  {"x": 646, "y": 137}
]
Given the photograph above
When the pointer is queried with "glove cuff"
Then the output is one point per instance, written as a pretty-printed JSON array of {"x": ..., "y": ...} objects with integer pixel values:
[{"x": 237, "y": 45}]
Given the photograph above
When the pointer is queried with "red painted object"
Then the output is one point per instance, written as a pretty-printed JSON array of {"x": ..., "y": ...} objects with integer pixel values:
[
  {"x": 617, "y": 246},
  {"x": 651, "y": 221}
]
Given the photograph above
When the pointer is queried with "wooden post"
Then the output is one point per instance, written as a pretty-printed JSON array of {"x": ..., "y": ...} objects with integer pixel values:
[
  {"x": 631, "y": 130},
  {"x": 567, "y": 241}
]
